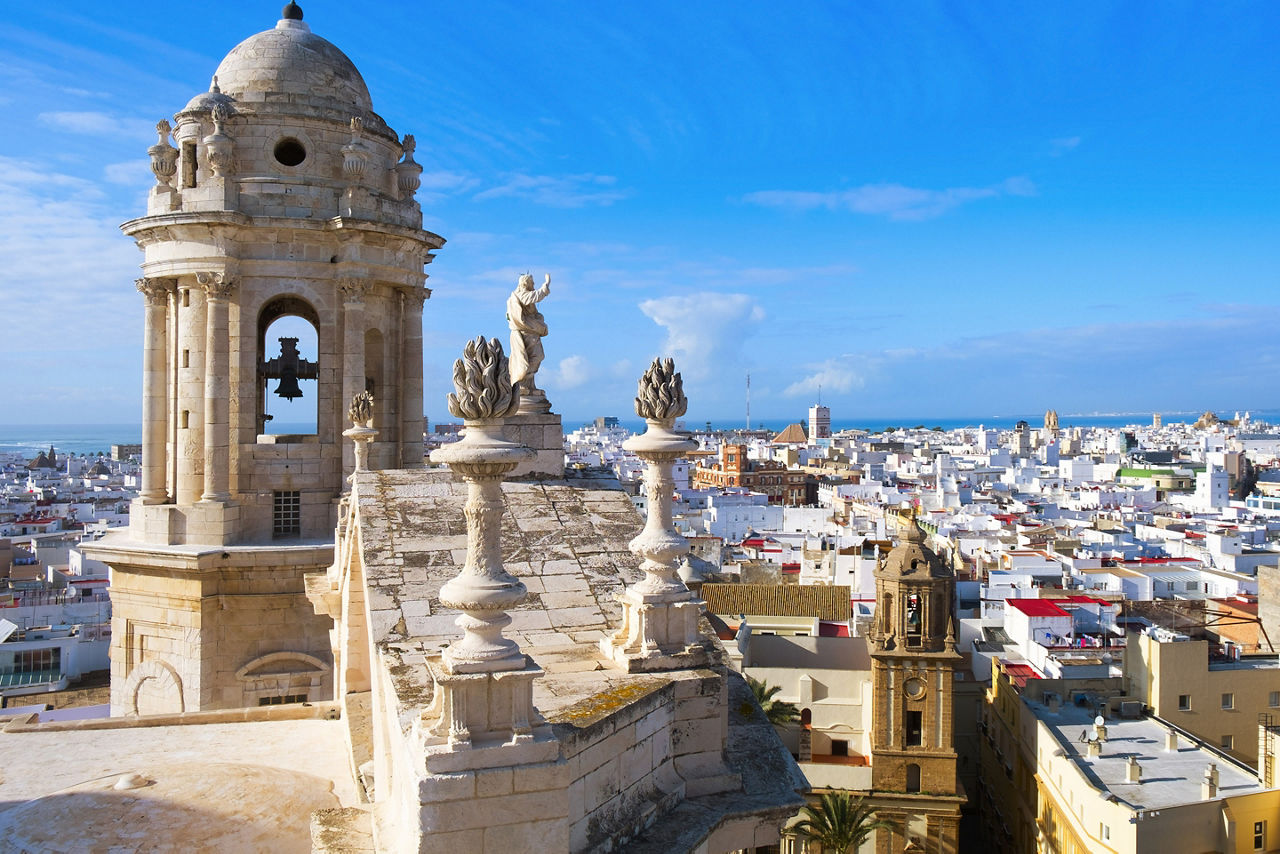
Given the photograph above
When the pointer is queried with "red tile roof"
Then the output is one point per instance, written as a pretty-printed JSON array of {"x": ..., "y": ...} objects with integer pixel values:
[{"x": 1037, "y": 607}]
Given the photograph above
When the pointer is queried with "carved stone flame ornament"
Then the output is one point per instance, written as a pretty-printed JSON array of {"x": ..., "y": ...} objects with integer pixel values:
[
  {"x": 361, "y": 431},
  {"x": 660, "y": 396},
  {"x": 361, "y": 411},
  {"x": 499, "y": 705},
  {"x": 659, "y": 614}
]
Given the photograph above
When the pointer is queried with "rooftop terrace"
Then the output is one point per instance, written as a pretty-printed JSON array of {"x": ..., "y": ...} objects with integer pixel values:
[{"x": 1169, "y": 777}]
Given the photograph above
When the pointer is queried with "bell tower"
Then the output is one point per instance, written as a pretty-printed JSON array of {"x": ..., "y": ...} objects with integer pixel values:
[
  {"x": 913, "y": 661},
  {"x": 280, "y": 195}
]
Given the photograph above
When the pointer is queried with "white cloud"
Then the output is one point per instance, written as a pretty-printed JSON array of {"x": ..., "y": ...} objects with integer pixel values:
[
  {"x": 833, "y": 375},
  {"x": 895, "y": 201},
  {"x": 558, "y": 191},
  {"x": 572, "y": 372},
  {"x": 99, "y": 124},
  {"x": 704, "y": 330},
  {"x": 68, "y": 276}
]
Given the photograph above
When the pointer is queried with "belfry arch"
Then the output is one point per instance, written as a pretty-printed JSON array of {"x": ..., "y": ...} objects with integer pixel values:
[{"x": 288, "y": 364}]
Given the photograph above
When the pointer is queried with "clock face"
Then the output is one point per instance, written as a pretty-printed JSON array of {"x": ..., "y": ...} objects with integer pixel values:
[{"x": 914, "y": 687}]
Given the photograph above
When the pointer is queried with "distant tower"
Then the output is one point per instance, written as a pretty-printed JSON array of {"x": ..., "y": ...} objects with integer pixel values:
[
  {"x": 819, "y": 422},
  {"x": 1051, "y": 422},
  {"x": 1021, "y": 439},
  {"x": 1157, "y": 421},
  {"x": 913, "y": 661},
  {"x": 285, "y": 196}
]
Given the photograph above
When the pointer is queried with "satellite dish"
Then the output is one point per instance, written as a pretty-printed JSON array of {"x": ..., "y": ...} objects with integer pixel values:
[{"x": 1099, "y": 721}]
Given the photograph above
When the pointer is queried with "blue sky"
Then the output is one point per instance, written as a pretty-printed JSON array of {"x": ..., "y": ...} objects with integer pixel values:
[{"x": 932, "y": 210}]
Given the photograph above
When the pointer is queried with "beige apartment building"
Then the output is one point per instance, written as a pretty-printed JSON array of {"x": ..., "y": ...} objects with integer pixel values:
[
  {"x": 1216, "y": 697},
  {"x": 1075, "y": 767}
]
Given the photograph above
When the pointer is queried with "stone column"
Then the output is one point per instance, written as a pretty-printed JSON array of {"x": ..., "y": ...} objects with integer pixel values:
[
  {"x": 217, "y": 387},
  {"x": 171, "y": 386},
  {"x": 155, "y": 379},
  {"x": 410, "y": 403},
  {"x": 659, "y": 614},
  {"x": 353, "y": 377},
  {"x": 190, "y": 395}
]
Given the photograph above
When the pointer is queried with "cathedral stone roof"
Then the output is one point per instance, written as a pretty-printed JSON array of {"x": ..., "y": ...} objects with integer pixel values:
[{"x": 290, "y": 64}]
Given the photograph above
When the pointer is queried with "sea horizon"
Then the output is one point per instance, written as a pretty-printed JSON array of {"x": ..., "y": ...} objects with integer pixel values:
[{"x": 91, "y": 438}]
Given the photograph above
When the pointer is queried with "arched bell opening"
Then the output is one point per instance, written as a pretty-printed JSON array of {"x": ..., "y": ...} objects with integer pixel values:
[{"x": 288, "y": 368}]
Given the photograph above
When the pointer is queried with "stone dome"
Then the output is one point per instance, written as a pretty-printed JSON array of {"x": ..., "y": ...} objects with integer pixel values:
[
  {"x": 292, "y": 64},
  {"x": 206, "y": 101},
  {"x": 912, "y": 557}
]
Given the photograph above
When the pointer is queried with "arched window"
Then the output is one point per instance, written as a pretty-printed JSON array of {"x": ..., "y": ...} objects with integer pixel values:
[
  {"x": 913, "y": 777},
  {"x": 288, "y": 367}
]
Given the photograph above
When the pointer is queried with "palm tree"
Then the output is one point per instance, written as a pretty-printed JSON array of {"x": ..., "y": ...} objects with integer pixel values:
[
  {"x": 778, "y": 712},
  {"x": 839, "y": 822}
]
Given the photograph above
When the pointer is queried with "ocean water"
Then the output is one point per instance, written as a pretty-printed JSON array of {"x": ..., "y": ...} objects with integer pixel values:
[{"x": 87, "y": 439}]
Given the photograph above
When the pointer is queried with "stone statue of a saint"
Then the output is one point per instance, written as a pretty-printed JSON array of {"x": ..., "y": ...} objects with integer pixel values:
[{"x": 527, "y": 330}]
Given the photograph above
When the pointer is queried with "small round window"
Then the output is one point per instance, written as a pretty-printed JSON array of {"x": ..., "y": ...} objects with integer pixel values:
[{"x": 290, "y": 152}]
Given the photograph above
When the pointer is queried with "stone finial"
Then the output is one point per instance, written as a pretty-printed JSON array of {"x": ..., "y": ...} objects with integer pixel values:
[
  {"x": 355, "y": 155},
  {"x": 164, "y": 157},
  {"x": 659, "y": 613},
  {"x": 482, "y": 383},
  {"x": 361, "y": 411},
  {"x": 408, "y": 172},
  {"x": 660, "y": 396},
  {"x": 484, "y": 682},
  {"x": 219, "y": 147},
  {"x": 361, "y": 433}
]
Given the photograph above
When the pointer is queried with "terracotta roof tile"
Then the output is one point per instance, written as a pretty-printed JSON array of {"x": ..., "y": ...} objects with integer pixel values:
[{"x": 779, "y": 600}]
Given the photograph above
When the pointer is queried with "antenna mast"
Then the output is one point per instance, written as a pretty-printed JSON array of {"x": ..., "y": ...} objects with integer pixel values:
[{"x": 748, "y": 401}]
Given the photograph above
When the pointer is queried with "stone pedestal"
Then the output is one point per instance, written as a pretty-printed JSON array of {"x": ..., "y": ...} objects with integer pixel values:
[
  {"x": 533, "y": 402},
  {"x": 478, "y": 708},
  {"x": 544, "y": 434},
  {"x": 360, "y": 436}
]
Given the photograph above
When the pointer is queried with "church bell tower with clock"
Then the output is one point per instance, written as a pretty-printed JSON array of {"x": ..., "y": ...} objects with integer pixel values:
[{"x": 913, "y": 663}]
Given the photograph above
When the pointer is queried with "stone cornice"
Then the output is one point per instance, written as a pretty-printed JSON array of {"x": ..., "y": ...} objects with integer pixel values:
[{"x": 178, "y": 226}]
